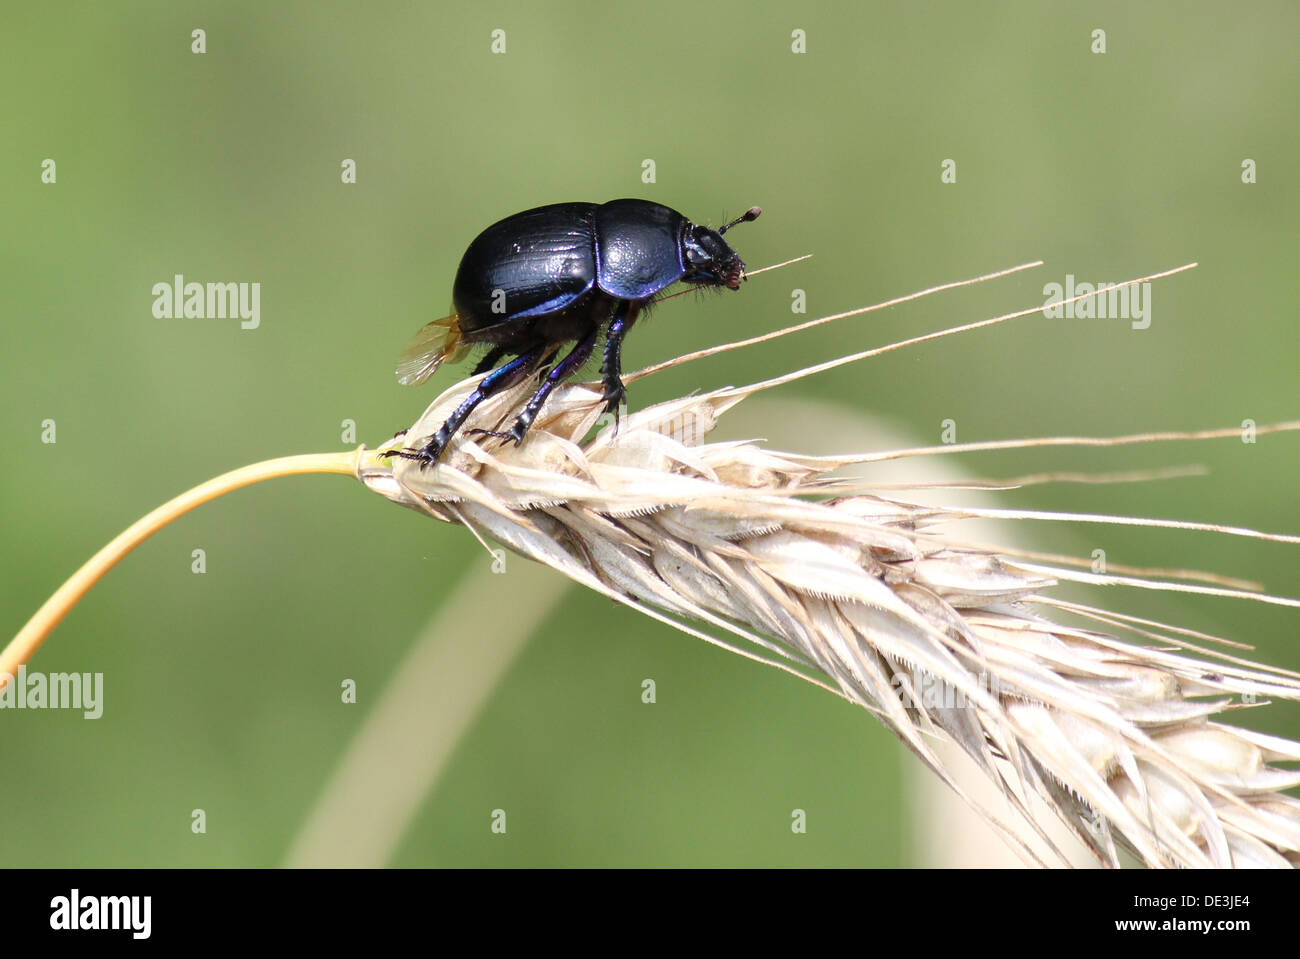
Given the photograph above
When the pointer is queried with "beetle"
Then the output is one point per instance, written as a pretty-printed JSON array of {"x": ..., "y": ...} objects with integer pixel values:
[{"x": 555, "y": 274}]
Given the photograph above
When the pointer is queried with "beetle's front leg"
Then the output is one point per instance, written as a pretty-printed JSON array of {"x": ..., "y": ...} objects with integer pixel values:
[{"x": 611, "y": 370}]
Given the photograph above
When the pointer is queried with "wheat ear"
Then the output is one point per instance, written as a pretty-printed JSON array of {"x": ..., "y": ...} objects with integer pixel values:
[{"x": 769, "y": 554}]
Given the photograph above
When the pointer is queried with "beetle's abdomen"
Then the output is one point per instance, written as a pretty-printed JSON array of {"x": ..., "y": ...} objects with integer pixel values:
[
  {"x": 638, "y": 248},
  {"x": 530, "y": 264}
]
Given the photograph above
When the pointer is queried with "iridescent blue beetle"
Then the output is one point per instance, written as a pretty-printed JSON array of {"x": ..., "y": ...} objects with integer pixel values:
[{"x": 559, "y": 274}]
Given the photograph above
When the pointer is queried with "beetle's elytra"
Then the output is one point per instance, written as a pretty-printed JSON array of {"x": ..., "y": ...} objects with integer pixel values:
[{"x": 558, "y": 274}]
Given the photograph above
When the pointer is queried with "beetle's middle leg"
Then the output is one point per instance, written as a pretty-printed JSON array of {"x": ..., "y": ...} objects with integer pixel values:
[
  {"x": 611, "y": 370},
  {"x": 558, "y": 374}
]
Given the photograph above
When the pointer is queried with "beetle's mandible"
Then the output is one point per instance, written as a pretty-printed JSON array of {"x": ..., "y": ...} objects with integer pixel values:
[{"x": 557, "y": 274}]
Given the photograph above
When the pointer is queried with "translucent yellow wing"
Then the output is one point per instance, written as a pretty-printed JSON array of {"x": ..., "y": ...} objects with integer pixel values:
[{"x": 433, "y": 344}]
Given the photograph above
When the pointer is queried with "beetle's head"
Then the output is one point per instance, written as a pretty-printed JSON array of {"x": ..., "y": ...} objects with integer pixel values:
[{"x": 710, "y": 260}]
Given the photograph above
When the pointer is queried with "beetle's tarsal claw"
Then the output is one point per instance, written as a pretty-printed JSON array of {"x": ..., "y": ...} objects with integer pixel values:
[
  {"x": 615, "y": 405},
  {"x": 614, "y": 398},
  {"x": 426, "y": 457},
  {"x": 511, "y": 434}
]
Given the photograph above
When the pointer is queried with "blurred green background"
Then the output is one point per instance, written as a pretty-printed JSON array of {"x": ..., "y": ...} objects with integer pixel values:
[{"x": 222, "y": 689}]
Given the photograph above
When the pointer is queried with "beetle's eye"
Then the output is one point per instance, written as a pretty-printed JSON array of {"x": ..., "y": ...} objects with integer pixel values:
[{"x": 713, "y": 245}]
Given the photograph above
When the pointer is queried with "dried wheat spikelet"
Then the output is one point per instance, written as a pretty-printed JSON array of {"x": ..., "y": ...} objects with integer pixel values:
[{"x": 769, "y": 554}]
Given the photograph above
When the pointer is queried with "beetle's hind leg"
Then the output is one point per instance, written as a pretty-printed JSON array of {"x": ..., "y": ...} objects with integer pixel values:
[
  {"x": 494, "y": 382},
  {"x": 558, "y": 374},
  {"x": 611, "y": 370}
]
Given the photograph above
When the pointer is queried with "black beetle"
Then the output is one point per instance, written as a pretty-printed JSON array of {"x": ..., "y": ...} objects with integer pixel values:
[{"x": 557, "y": 273}]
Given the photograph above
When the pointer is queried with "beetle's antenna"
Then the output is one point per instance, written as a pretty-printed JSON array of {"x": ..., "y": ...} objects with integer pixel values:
[{"x": 753, "y": 213}]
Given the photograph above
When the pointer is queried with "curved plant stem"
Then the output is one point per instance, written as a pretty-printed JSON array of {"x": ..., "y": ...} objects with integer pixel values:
[{"x": 29, "y": 638}]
